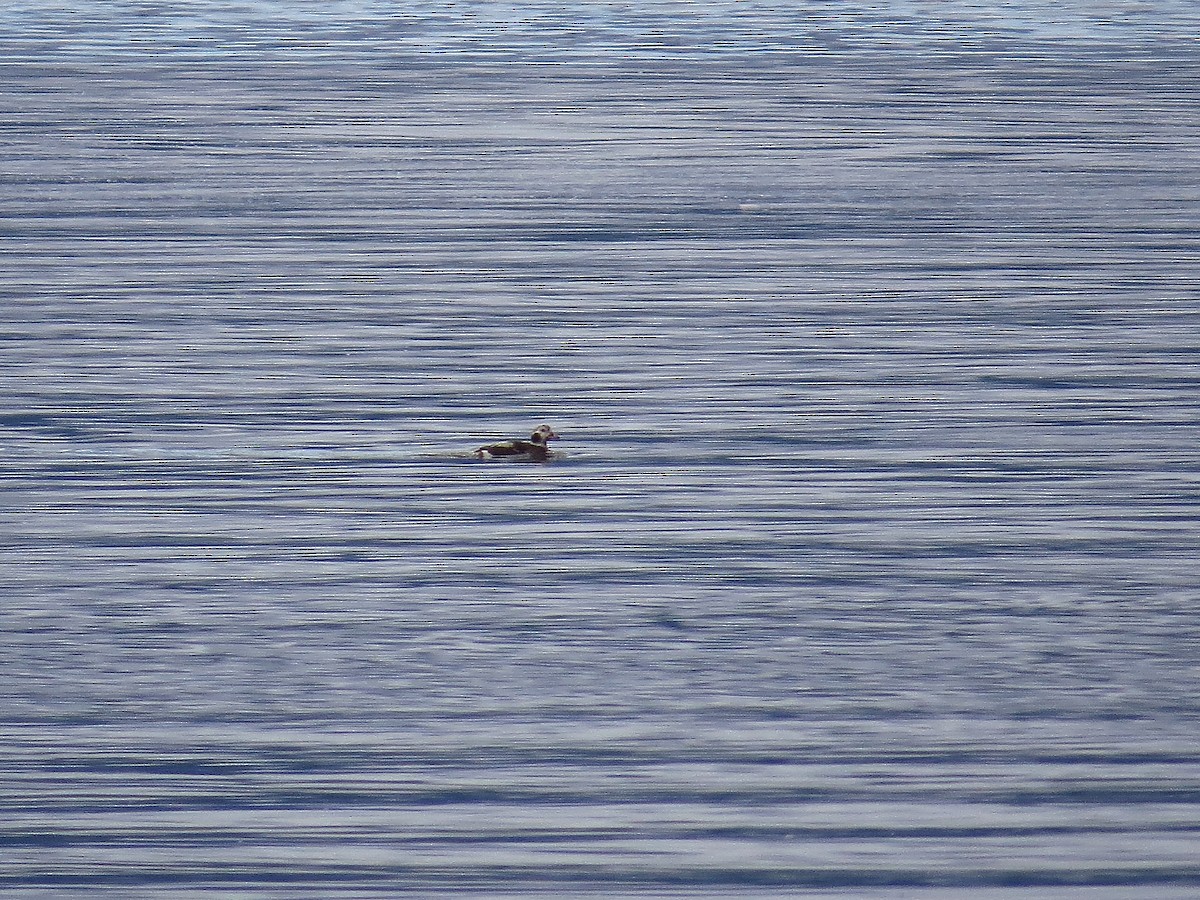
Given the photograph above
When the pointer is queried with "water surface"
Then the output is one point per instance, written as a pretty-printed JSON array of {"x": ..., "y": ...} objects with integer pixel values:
[{"x": 867, "y": 567}]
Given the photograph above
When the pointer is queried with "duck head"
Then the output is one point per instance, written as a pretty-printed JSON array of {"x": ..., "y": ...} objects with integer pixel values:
[{"x": 542, "y": 434}]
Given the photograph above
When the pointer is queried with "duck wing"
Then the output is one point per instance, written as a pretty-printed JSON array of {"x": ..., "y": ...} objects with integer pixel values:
[{"x": 507, "y": 448}]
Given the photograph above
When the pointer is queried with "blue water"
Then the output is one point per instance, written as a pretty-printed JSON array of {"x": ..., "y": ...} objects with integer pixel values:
[{"x": 867, "y": 565}]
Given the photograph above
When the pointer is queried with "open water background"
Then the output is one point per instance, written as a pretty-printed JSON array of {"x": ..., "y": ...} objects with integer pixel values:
[{"x": 869, "y": 565}]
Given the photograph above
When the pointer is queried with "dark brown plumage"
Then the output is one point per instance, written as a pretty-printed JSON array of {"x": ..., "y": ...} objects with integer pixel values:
[{"x": 534, "y": 449}]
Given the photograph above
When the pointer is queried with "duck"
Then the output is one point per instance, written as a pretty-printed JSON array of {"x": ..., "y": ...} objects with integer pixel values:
[{"x": 534, "y": 449}]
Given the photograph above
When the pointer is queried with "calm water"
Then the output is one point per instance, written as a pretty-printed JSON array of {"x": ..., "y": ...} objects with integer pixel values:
[{"x": 868, "y": 566}]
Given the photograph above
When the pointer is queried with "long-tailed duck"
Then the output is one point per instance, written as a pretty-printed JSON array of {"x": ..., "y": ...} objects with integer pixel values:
[{"x": 534, "y": 449}]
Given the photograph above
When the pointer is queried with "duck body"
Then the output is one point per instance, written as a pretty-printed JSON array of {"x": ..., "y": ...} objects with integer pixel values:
[{"x": 533, "y": 450}]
